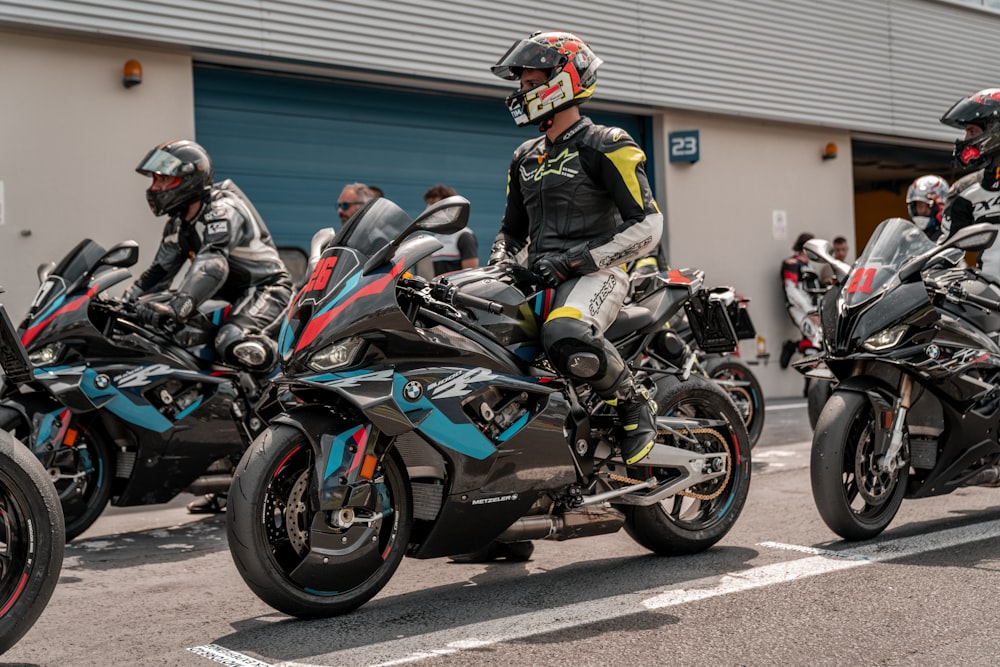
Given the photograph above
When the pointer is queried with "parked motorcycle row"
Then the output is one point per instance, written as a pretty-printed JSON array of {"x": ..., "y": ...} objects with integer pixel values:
[{"x": 420, "y": 418}]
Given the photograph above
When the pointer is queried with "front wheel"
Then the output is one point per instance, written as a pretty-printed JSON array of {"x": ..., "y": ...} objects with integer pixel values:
[
  {"x": 697, "y": 518},
  {"x": 743, "y": 387},
  {"x": 291, "y": 555},
  {"x": 80, "y": 469},
  {"x": 856, "y": 499},
  {"x": 31, "y": 540}
]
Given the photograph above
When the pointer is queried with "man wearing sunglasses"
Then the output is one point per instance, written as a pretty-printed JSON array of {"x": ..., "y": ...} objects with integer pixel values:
[{"x": 351, "y": 199}]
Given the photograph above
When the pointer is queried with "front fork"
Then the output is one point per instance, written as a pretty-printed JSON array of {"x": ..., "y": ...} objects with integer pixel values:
[
  {"x": 345, "y": 468},
  {"x": 891, "y": 460}
]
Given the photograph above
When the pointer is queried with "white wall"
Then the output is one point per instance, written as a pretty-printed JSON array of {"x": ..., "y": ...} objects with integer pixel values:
[
  {"x": 720, "y": 210},
  {"x": 70, "y": 138}
]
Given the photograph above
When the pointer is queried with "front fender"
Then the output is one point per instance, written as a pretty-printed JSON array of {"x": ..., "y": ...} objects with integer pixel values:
[
  {"x": 25, "y": 405},
  {"x": 345, "y": 454},
  {"x": 882, "y": 399}
]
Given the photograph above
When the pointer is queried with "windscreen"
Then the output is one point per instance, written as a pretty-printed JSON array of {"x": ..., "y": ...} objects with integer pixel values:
[{"x": 893, "y": 244}]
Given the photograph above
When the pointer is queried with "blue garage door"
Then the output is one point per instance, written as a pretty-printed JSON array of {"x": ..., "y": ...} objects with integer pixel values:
[{"x": 292, "y": 143}]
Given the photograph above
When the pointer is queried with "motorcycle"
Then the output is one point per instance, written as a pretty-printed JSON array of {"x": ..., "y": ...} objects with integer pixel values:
[
  {"x": 32, "y": 537},
  {"x": 117, "y": 411},
  {"x": 910, "y": 339},
  {"x": 723, "y": 365},
  {"x": 430, "y": 424}
]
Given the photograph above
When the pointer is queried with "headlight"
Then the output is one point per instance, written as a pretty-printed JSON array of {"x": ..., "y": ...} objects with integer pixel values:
[
  {"x": 338, "y": 354},
  {"x": 886, "y": 338},
  {"x": 47, "y": 355}
]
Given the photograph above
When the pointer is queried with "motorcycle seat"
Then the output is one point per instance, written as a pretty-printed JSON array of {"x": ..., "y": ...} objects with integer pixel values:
[{"x": 630, "y": 318}]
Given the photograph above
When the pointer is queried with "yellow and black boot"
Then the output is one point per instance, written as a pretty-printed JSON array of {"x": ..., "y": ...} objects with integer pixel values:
[{"x": 638, "y": 421}]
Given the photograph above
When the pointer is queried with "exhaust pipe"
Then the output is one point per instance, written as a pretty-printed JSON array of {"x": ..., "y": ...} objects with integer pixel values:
[
  {"x": 985, "y": 477},
  {"x": 579, "y": 523},
  {"x": 210, "y": 484}
]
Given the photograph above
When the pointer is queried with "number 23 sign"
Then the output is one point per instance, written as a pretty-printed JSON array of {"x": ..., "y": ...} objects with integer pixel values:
[{"x": 684, "y": 146}]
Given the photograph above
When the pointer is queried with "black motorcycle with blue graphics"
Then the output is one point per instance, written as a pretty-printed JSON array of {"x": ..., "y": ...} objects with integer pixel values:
[
  {"x": 910, "y": 336},
  {"x": 31, "y": 524},
  {"x": 116, "y": 410},
  {"x": 429, "y": 424}
]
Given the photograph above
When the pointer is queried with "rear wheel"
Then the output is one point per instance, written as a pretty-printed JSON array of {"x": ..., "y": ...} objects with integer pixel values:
[
  {"x": 856, "y": 499},
  {"x": 81, "y": 471},
  {"x": 31, "y": 540},
  {"x": 289, "y": 553},
  {"x": 737, "y": 380},
  {"x": 697, "y": 518}
]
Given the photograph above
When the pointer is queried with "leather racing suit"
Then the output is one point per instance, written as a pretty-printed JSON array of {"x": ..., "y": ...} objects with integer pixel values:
[
  {"x": 587, "y": 187},
  {"x": 232, "y": 258},
  {"x": 976, "y": 198}
]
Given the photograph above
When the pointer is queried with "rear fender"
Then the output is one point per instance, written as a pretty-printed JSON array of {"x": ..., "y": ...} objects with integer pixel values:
[{"x": 345, "y": 453}]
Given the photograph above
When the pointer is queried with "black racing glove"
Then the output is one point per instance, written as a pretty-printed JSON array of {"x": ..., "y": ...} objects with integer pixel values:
[
  {"x": 167, "y": 315},
  {"x": 557, "y": 268}
]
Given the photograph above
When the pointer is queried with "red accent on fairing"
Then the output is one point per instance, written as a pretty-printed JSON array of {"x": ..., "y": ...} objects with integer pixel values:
[
  {"x": 318, "y": 323},
  {"x": 32, "y": 331}
]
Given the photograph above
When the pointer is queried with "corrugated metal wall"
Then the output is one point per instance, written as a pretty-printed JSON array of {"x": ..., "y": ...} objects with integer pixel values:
[{"x": 881, "y": 66}]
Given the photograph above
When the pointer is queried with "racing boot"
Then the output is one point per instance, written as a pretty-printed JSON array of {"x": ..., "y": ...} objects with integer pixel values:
[{"x": 638, "y": 421}]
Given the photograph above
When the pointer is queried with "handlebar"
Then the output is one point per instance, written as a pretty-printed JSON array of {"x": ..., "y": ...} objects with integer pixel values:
[
  {"x": 956, "y": 294},
  {"x": 451, "y": 294}
]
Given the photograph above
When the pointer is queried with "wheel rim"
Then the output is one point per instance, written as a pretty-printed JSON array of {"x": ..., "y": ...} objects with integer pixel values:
[
  {"x": 289, "y": 514},
  {"x": 705, "y": 504},
  {"x": 867, "y": 490},
  {"x": 16, "y": 550},
  {"x": 77, "y": 473}
]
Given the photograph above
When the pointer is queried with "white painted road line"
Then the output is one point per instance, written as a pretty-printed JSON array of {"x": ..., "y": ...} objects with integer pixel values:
[{"x": 511, "y": 628}]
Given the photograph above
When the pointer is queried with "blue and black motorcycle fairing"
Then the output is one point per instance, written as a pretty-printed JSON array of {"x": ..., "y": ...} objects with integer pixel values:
[
  {"x": 429, "y": 423},
  {"x": 117, "y": 411}
]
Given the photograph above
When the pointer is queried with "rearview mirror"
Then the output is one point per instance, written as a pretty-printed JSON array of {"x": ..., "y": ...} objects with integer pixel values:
[
  {"x": 125, "y": 253},
  {"x": 819, "y": 250},
  {"x": 973, "y": 237},
  {"x": 447, "y": 216}
]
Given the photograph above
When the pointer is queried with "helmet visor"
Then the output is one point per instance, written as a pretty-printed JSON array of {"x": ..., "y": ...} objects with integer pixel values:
[
  {"x": 530, "y": 54},
  {"x": 160, "y": 162},
  {"x": 976, "y": 109}
]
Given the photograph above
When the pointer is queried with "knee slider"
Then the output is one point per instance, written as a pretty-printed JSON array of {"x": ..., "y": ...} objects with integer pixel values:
[
  {"x": 238, "y": 348},
  {"x": 573, "y": 348}
]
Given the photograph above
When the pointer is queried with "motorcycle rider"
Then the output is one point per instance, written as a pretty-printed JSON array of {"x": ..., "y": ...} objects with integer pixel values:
[
  {"x": 579, "y": 192},
  {"x": 976, "y": 196},
  {"x": 802, "y": 287},
  {"x": 925, "y": 202},
  {"x": 232, "y": 257}
]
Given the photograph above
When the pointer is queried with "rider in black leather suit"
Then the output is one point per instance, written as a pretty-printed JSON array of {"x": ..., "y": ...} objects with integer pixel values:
[
  {"x": 231, "y": 252},
  {"x": 580, "y": 194},
  {"x": 976, "y": 196}
]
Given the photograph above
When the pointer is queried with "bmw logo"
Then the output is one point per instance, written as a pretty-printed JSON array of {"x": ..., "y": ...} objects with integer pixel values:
[
  {"x": 102, "y": 381},
  {"x": 413, "y": 391},
  {"x": 932, "y": 351}
]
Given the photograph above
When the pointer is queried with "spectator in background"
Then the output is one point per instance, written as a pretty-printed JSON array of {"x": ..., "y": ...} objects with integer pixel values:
[
  {"x": 351, "y": 199},
  {"x": 377, "y": 191},
  {"x": 461, "y": 249},
  {"x": 840, "y": 248}
]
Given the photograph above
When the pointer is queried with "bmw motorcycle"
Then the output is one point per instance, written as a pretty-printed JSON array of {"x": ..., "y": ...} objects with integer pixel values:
[
  {"x": 429, "y": 424},
  {"x": 115, "y": 410},
  {"x": 722, "y": 363},
  {"x": 31, "y": 524},
  {"x": 911, "y": 341}
]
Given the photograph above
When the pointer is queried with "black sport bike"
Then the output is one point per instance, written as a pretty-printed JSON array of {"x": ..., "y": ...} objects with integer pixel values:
[
  {"x": 31, "y": 522},
  {"x": 429, "y": 424},
  {"x": 910, "y": 336}
]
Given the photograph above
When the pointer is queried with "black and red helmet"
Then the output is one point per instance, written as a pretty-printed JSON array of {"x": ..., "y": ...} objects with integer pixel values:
[
  {"x": 981, "y": 109},
  {"x": 191, "y": 168},
  {"x": 571, "y": 74}
]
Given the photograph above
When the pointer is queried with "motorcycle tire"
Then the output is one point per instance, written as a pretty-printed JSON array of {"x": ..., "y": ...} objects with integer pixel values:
[
  {"x": 816, "y": 397},
  {"x": 32, "y": 540},
  {"x": 855, "y": 500},
  {"x": 686, "y": 523},
  {"x": 737, "y": 380},
  {"x": 269, "y": 522},
  {"x": 85, "y": 487}
]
